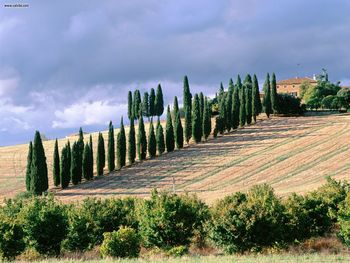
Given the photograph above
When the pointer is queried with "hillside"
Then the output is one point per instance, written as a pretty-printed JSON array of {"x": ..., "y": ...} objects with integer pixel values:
[{"x": 292, "y": 154}]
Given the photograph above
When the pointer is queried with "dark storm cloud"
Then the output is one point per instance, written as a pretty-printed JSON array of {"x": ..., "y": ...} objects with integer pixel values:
[{"x": 73, "y": 61}]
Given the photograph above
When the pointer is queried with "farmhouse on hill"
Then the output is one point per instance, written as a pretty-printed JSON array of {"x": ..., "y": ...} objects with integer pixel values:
[{"x": 292, "y": 85}]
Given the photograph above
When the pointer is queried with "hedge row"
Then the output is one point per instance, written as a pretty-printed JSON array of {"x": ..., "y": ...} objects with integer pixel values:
[{"x": 238, "y": 223}]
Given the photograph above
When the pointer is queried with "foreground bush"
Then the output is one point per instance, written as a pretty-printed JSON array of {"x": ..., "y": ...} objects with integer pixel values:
[
  {"x": 344, "y": 220},
  {"x": 45, "y": 224},
  {"x": 124, "y": 243},
  {"x": 168, "y": 220},
  {"x": 248, "y": 222},
  {"x": 93, "y": 217},
  {"x": 11, "y": 238}
]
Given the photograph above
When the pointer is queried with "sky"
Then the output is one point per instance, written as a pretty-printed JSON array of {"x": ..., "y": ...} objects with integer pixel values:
[{"x": 66, "y": 64}]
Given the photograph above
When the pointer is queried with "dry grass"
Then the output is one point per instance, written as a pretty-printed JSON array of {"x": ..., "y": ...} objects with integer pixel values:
[{"x": 292, "y": 154}]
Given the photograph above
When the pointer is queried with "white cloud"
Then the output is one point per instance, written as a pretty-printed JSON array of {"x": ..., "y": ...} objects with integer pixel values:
[
  {"x": 88, "y": 113},
  {"x": 13, "y": 117}
]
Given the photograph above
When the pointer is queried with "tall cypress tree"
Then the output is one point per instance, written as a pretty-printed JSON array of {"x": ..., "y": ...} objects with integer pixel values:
[
  {"x": 242, "y": 108},
  {"x": 248, "y": 90},
  {"x": 206, "y": 120},
  {"x": 101, "y": 157},
  {"x": 160, "y": 138},
  {"x": 152, "y": 101},
  {"x": 196, "y": 121},
  {"x": 221, "y": 91},
  {"x": 145, "y": 105},
  {"x": 141, "y": 141},
  {"x": 87, "y": 165},
  {"x": 228, "y": 106},
  {"x": 39, "y": 182},
  {"x": 29, "y": 164},
  {"x": 111, "y": 148},
  {"x": 65, "y": 167},
  {"x": 131, "y": 143},
  {"x": 256, "y": 104},
  {"x": 274, "y": 96},
  {"x": 69, "y": 156},
  {"x": 222, "y": 114},
  {"x": 267, "y": 96},
  {"x": 201, "y": 105},
  {"x": 178, "y": 130},
  {"x": 152, "y": 144},
  {"x": 74, "y": 169},
  {"x": 137, "y": 104},
  {"x": 80, "y": 156},
  {"x": 187, "y": 101},
  {"x": 236, "y": 103},
  {"x": 130, "y": 106},
  {"x": 159, "y": 102},
  {"x": 121, "y": 146},
  {"x": 91, "y": 156},
  {"x": 169, "y": 132},
  {"x": 56, "y": 166}
]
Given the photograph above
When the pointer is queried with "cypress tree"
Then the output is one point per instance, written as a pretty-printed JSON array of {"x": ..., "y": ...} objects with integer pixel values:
[
  {"x": 236, "y": 103},
  {"x": 74, "y": 169},
  {"x": 152, "y": 144},
  {"x": 87, "y": 164},
  {"x": 256, "y": 104},
  {"x": 145, "y": 105},
  {"x": 69, "y": 156},
  {"x": 130, "y": 106},
  {"x": 274, "y": 96},
  {"x": 221, "y": 91},
  {"x": 248, "y": 90},
  {"x": 242, "y": 108},
  {"x": 39, "y": 182},
  {"x": 206, "y": 120},
  {"x": 187, "y": 101},
  {"x": 169, "y": 132},
  {"x": 80, "y": 156},
  {"x": 201, "y": 105},
  {"x": 65, "y": 167},
  {"x": 222, "y": 114},
  {"x": 196, "y": 121},
  {"x": 29, "y": 165},
  {"x": 131, "y": 143},
  {"x": 111, "y": 148},
  {"x": 267, "y": 96},
  {"x": 141, "y": 141},
  {"x": 91, "y": 156},
  {"x": 159, "y": 102},
  {"x": 100, "y": 158},
  {"x": 178, "y": 130},
  {"x": 160, "y": 138},
  {"x": 137, "y": 104},
  {"x": 228, "y": 106},
  {"x": 152, "y": 101},
  {"x": 56, "y": 165},
  {"x": 121, "y": 146}
]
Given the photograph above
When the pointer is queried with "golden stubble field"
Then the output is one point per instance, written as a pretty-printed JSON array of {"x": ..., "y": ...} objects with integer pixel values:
[{"x": 292, "y": 154}]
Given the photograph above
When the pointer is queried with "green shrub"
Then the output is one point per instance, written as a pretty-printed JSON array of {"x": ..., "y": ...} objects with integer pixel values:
[
  {"x": 11, "y": 238},
  {"x": 45, "y": 224},
  {"x": 248, "y": 222},
  {"x": 344, "y": 220},
  {"x": 168, "y": 220},
  {"x": 288, "y": 104},
  {"x": 178, "y": 251},
  {"x": 90, "y": 219},
  {"x": 124, "y": 243}
]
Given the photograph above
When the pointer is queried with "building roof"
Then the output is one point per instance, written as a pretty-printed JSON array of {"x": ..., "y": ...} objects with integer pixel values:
[{"x": 296, "y": 80}]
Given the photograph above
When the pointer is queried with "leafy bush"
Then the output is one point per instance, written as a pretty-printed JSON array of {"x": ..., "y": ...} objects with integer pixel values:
[
  {"x": 169, "y": 220},
  {"x": 288, "y": 104},
  {"x": 124, "y": 243},
  {"x": 45, "y": 224},
  {"x": 344, "y": 220},
  {"x": 248, "y": 222},
  {"x": 90, "y": 219},
  {"x": 11, "y": 238},
  {"x": 178, "y": 251}
]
